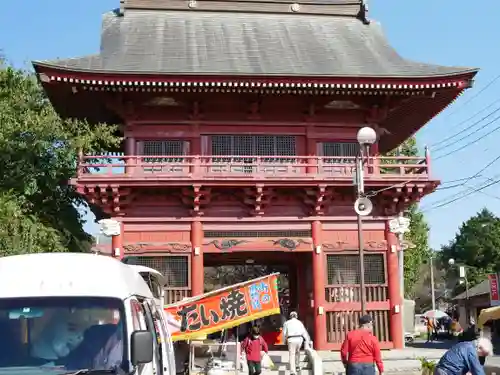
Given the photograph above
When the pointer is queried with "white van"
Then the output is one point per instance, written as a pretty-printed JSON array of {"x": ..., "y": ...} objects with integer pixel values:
[{"x": 66, "y": 313}]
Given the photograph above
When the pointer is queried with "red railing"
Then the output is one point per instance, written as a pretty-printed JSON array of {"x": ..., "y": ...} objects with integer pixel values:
[{"x": 250, "y": 167}]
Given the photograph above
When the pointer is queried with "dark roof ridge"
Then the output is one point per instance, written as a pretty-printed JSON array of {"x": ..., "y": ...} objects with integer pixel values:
[{"x": 350, "y": 8}]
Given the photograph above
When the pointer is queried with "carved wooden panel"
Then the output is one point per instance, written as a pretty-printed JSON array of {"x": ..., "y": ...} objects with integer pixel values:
[
  {"x": 217, "y": 245},
  {"x": 348, "y": 240},
  {"x": 156, "y": 236}
]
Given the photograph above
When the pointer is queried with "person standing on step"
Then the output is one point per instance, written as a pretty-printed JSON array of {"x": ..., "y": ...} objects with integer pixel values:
[
  {"x": 360, "y": 351},
  {"x": 252, "y": 346},
  {"x": 294, "y": 334}
]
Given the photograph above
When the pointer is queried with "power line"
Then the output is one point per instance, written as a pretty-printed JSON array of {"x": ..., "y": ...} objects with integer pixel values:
[
  {"x": 471, "y": 133},
  {"x": 464, "y": 130},
  {"x": 473, "y": 190},
  {"x": 457, "y": 180},
  {"x": 474, "y": 96},
  {"x": 474, "y": 141},
  {"x": 456, "y": 196},
  {"x": 456, "y": 185},
  {"x": 477, "y": 174}
]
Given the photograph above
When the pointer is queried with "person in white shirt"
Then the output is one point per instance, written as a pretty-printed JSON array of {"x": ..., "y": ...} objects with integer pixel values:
[{"x": 294, "y": 334}]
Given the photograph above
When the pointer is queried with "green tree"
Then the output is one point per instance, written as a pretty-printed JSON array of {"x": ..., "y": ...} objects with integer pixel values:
[
  {"x": 417, "y": 256},
  {"x": 476, "y": 246},
  {"x": 418, "y": 236},
  {"x": 38, "y": 153}
]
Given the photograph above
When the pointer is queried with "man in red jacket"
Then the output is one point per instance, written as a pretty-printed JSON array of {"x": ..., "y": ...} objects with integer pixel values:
[
  {"x": 252, "y": 346},
  {"x": 360, "y": 350}
]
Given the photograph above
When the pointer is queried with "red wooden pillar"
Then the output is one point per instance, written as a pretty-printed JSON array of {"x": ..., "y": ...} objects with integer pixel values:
[
  {"x": 312, "y": 161},
  {"x": 130, "y": 154},
  {"x": 117, "y": 244},
  {"x": 318, "y": 266},
  {"x": 197, "y": 271},
  {"x": 395, "y": 302},
  {"x": 375, "y": 161},
  {"x": 196, "y": 151}
]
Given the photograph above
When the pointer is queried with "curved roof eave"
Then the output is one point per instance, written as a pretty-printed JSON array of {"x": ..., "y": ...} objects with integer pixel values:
[{"x": 151, "y": 74}]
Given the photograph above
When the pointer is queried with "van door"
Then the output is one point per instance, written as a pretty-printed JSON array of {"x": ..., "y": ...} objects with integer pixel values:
[
  {"x": 167, "y": 346},
  {"x": 158, "y": 358},
  {"x": 138, "y": 323}
]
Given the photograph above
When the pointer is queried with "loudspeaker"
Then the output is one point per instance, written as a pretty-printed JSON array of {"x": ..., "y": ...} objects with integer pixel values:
[{"x": 363, "y": 206}]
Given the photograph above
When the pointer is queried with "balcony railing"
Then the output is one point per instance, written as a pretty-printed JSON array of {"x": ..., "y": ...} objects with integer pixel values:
[
  {"x": 352, "y": 293},
  {"x": 250, "y": 167}
]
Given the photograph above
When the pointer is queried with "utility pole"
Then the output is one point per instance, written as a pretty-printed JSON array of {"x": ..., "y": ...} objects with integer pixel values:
[{"x": 433, "y": 292}]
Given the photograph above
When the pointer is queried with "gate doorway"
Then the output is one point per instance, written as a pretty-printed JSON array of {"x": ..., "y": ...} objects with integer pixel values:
[{"x": 221, "y": 270}]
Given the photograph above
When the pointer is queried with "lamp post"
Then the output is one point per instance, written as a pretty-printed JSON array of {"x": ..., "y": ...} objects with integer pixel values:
[
  {"x": 462, "y": 273},
  {"x": 366, "y": 137}
]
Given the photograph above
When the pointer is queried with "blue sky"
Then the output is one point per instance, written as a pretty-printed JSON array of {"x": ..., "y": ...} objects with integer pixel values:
[{"x": 448, "y": 32}]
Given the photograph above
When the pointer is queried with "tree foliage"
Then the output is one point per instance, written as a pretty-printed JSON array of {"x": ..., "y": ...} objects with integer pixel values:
[
  {"x": 476, "y": 246},
  {"x": 415, "y": 257},
  {"x": 38, "y": 152}
]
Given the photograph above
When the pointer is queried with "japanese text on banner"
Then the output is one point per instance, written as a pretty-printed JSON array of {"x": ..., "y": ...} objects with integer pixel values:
[{"x": 224, "y": 308}]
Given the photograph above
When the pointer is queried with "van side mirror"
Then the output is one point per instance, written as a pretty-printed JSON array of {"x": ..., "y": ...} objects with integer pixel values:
[{"x": 141, "y": 347}]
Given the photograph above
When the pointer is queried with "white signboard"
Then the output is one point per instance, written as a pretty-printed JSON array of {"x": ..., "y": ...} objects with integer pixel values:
[
  {"x": 110, "y": 227},
  {"x": 399, "y": 225}
]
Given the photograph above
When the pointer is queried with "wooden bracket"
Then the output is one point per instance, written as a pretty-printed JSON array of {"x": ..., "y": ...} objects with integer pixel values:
[
  {"x": 254, "y": 110},
  {"x": 318, "y": 199},
  {"x": 197, "y": 197},
  {"x": 195, "y": 112},
  {"x": 258, "y": 199}
]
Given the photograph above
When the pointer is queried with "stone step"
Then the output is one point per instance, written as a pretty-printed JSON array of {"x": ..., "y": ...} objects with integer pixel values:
[
  {"x": 327, "y": 372},
  {"x": 286, "y": 372}
]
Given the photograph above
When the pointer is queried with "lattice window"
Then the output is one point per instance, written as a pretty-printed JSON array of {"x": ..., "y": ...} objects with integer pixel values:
[
  {"x": 164, "y": 147},
  {"x": 340, "y": 150},
  {"x": 174, "y": 268},
  {"x": 258, "y": 234},
  {"x": 344, "y": 269},
  {"x": 253, "y": 145}
]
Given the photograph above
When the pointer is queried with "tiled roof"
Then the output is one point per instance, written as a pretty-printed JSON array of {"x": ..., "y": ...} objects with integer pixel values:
[
  {"x": 477, "y": 290},
  {"x": 188, "y": 42}
]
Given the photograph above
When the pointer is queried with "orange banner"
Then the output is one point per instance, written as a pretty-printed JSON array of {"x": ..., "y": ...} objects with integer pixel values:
[{"x": 223, "y": 308}]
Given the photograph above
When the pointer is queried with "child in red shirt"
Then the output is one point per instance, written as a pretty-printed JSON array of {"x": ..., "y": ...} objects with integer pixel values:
[{"x": 252, "y": 346}]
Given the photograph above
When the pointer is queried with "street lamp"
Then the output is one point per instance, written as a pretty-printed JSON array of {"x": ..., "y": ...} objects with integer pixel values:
[
  {"x": 462, "y": 273},
  {"x": 366, "y": 137}
]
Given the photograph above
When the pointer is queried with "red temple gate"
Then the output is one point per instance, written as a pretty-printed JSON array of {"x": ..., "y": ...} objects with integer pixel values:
[{"x": 245, "y": 150}]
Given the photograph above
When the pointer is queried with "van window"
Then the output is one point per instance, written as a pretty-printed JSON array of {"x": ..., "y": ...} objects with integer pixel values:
[
  {"x": 153, "y": 284},
  {"x": 139, "y": 321},
  {"x": 71, "y": 332}
]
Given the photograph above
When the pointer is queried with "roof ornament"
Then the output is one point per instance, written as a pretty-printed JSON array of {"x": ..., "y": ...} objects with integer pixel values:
[
  {"x": 121, "y": 9},
  {"x": 363, "y": 12}
]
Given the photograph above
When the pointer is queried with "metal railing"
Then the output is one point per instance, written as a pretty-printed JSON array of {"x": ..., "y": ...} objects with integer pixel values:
[{"x": 249, "y": 167}]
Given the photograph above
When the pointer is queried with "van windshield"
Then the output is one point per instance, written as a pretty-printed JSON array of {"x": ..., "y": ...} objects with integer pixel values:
[{"x": 61, "y": 334}]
